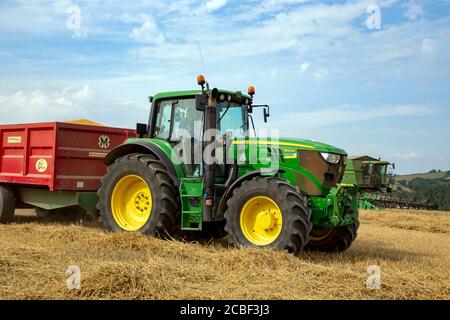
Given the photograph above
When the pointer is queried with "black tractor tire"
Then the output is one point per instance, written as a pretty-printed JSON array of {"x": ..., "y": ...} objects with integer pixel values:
[
  {"x": 334, "y": 240},
  {"x": 295, "y": 212},
  {"x": 7, "y": 204},
  {"x": 165, "y": 217}
]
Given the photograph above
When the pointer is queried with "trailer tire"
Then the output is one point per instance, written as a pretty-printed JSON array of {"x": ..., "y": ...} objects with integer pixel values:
[
  {"x": 260, "y": 204},
  {"x": 336, "y": 240},
  {"x": 7, "y": 204},
  {"x": 164, "y": 215}
]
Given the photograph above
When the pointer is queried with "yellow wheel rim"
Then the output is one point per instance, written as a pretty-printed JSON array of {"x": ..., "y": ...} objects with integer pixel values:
[
  {"x": 131, "y": 203},
  {"x": 261, "y": 221}
]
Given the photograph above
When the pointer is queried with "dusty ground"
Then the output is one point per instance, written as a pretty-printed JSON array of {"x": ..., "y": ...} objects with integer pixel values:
[{"x": 411, "y": 248}]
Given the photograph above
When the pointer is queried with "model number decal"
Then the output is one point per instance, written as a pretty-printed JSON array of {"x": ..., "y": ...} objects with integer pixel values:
[
  {"x": 97, "y": 154},
  {"x": 15, "y": 139}
]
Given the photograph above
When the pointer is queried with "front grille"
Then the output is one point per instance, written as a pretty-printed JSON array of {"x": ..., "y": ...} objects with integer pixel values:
[
  {"x": 328, "y": 174},
  {"x": 334, "y": 174}
]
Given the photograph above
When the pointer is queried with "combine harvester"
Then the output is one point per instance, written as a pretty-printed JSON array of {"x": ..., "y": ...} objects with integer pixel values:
[
  {"x": 277, "y": 193},
  {"x": 373, "y": 178}
]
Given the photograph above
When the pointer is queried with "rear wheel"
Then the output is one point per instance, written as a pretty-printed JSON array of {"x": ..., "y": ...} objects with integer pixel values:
[
  {"x": 137, "y": 194},
  {"x": 268, "y": 212},
  {"x": 7, "y": 204},
  {"x": 333, "y": 239}
]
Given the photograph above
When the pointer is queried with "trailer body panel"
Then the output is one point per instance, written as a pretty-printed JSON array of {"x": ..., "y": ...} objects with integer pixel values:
[{"x": 56, "y": 155}]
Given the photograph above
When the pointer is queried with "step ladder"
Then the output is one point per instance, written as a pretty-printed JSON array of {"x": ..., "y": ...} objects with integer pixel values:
[{"x": 191, "y": 195}]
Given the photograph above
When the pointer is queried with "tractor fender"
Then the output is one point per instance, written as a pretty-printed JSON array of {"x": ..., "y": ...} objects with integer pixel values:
[
  {"x": 236, "y": 184},
  {"x": 144, "y": 147}
]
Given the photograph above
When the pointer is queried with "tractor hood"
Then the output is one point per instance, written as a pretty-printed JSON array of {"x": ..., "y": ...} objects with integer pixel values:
[{"x": 294, "y": 143}]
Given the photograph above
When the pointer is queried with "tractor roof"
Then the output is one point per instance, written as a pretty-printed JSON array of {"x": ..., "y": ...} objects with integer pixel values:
[
  {"x": 368, "y": 159},
  {"x": 174, "y": 94},
  {"x": 364, "y": 158},
  {"x": 377, "y": 162}
]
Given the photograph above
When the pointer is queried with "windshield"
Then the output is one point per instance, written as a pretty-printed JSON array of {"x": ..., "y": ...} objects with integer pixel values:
[{"x": 232, "y": 119}]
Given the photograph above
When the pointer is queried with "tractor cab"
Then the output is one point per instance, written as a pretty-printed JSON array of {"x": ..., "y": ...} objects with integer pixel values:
[
  {"x": 174, "y": 115},
  {"x": 179, "y": 115},
  {"x": 181, "y": 119}
]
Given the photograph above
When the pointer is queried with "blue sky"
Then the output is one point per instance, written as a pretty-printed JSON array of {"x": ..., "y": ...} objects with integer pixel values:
[{"x": 328, "y": 76}]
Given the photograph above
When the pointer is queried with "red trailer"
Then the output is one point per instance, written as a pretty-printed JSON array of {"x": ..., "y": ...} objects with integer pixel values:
[{"x": 53, "y": 165}]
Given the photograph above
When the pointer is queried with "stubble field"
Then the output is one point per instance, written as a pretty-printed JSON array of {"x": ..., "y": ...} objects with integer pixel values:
[{"x": 411, "y": 248}]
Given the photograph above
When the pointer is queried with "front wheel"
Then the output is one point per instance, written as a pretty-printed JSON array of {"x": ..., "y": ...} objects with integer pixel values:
[
  {"x": 333, "y": 240},
  {"x": 268, "y": 212},
  {"x": 137, "y": 194}
]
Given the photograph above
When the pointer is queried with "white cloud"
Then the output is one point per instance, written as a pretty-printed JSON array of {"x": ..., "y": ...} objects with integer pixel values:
[
  {"x": 252, "y": 12},
  {"x": 428, "y": 46},
  {"x": 321, "y": 74},
  {"x": 148, "y": 32},
  {"x": 316, "y": 28},
  {"x": 407, "y": 155},
  {"x": 213, "y": 5},
  {"x": 85, "y": 94},
  {"x": 414, "y": 11},
  {"x": 274, "y": 73},
  {"x": 41, "y": 106},
  {"x": 304, "y": 67},
  {"x": 60, "y": 6},
  {"x": 290, "y": 122}
]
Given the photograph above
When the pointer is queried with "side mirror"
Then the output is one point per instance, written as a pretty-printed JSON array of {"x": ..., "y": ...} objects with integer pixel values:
[
  {"x": 150, "y": 99},
  {"x": 201, "y": 101},
  {"x": 266, "y": 115},
  {"x": 141, "y": 129},
  {"x": 250, "y": 109}
]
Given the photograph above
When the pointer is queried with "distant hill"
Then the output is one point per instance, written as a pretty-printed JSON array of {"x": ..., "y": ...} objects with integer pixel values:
[
  {"x": 430, "y": 187},
  {"x": 426, "y": 176}
]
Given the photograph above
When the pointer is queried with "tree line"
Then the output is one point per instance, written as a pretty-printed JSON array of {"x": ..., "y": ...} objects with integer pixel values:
[{"x": 426, "y": 190}]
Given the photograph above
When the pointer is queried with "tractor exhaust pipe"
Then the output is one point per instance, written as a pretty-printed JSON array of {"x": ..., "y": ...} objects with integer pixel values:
[{"x": 210, "y": 169}]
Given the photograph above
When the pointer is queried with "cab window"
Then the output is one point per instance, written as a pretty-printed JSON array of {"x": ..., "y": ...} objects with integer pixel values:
[
  {"x": 162, "y": 127},
  {"x": 186, "y": 119}
]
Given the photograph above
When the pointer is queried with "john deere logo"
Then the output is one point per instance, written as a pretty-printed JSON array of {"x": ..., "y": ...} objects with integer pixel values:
[
  {"x": 41, "y": 165},
  {"x": 104, "y": 141}
]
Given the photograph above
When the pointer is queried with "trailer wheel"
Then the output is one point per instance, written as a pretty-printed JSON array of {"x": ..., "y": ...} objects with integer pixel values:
[
  {"x": 268, "y": 212},
  {"x": 137, "y": 194},
  {"x": 7, "y": 204},
  {"x": 333, "y": 239}
]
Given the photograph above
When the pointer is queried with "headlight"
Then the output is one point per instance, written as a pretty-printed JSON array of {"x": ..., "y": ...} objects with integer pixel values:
[{"x": 331, "y": 157}]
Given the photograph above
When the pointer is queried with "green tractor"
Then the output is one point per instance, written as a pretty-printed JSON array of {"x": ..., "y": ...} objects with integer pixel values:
[
  {"x": 372, "y": 177},
  {"x": 197, "y": 168}
]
